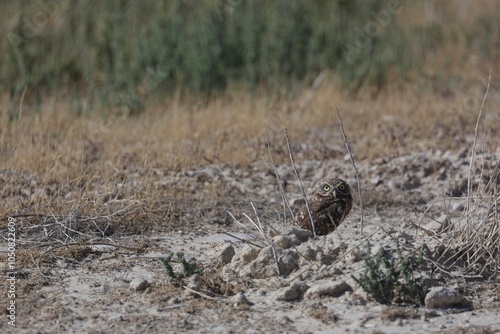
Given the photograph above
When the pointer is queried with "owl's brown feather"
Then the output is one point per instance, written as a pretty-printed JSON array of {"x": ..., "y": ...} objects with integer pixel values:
[{"x": 329, "y": 206}]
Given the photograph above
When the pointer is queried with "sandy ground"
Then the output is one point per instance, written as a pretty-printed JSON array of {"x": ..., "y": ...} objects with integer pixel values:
[{"x": 90, "y": 289}]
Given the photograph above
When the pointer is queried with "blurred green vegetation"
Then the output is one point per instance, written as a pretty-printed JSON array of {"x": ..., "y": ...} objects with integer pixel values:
[{"x": 121, "y": 52}]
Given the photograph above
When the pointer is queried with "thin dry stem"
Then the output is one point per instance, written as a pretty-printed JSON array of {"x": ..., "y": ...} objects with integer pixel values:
[
  {"x": 346, "y": 142},
  {"x": 317, "y": 82},
  {"x": 242, "y": 240},
  {"x": 282, "y": 191},
  {"x": 275, "y": 254},
  {"x": 248, "y": 229},
  {"x": 21, "y": 104},
  {"x": 201, "y": 294},
  {"x": 313, "y": 224},
  {"x": 473, "y": 153}
]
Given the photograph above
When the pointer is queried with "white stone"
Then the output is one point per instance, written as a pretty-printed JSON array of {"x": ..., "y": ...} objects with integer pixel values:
[
  {"x": 240, "y": 299},
  {"x": 246, "y": 255},
  {"x": 138, "y": 284},
  {"x": 335, "y": 288},
  {"x": 286, "y": 241},
  {"x": 443, "y": 297},
  {"x": 292, "y": 292}
]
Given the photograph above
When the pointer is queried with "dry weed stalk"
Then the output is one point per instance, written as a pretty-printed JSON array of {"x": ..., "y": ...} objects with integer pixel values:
[
  {"x": 21, "y": 103},
  {"x": 307, "y": 99},
  {"x": 313, "y": 224},
  {"x": 303, "y": 106},
  {"x": 346, "y": 142},
  {"x": 282, "y": 191},
  {"x": 473, "y": 152},
  {"x": 263, "y": 237}
]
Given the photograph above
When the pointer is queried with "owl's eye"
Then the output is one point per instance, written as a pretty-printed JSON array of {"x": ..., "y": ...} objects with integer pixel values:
[
  {"x": 341, "y": 186},
  {"x": 326, "y": 187}
]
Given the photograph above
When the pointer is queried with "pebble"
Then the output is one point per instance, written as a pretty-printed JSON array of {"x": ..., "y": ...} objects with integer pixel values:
[
  {"x": 240, "y": 299},
  {"x": 195, "y": 282},
  {"x": 103, "y": 248},
  {"x": 457, "y": 205},
  {"x": 138, "y": 284},
  {"x": 442, "y": 297},
  {"x": 302, "y": 234},
  {"x": 286, "y": 241},
  {"x": 288, "y": 261},
  {"x": 246, "y": 255},
  {"x": 393, "y": 184},
  {"x": 335, "y": 288},
  {"x": 437, "y": 225},
  {"x": 118, "y": 317},
  {"x": 225, "y": 252},
  {"x": 292, "y": 292}
]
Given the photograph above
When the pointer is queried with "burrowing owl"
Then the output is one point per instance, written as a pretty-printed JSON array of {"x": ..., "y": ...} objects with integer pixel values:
[{"x": 329, "y": 205}]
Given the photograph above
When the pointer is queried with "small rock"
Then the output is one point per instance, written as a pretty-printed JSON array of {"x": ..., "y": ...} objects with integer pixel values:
[
  {"x": 240, "y": 299},
  {"x": 436, "y": 226},
  {"x": 288, "y": 261},
  {"x": 393, "y": 184},
  {"x": 457, "y": 205},
  {"x": 443, "y": 297},
  {"x": 194, "y": 282},
  {"x": 308, "y": 252},
  {"x": 246, "y": 255},
  {"x": 225, "y": 252},
  {"x": 286, "y": 241},
  {"x": 335, "y": 288},
  {"x": 292, "y": 292},
  {"x": 103, "y": 248},
  {"x": 412, "y": 183},
  {"x": 377, "y": 249},
  {"x": 238, "y": 185},
  {"x": 174, "y": 300},
  {"x": 376, "y": 180},
  {"x": 301, "y": 234},
  {"x": 405, "y": 238},
  {"x": 261, "y": 267},
  {"x": 118, "y": 317},
  {"x": 138, "y": 284},
  {"x": 354, "y": 256},
  {"x": 282, "y": 241}
]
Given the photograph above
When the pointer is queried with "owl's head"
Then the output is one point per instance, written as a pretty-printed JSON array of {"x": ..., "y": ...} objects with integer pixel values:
[{"x": 336, "y": 188}]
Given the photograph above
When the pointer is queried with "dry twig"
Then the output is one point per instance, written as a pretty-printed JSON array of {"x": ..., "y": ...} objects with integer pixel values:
[
  {"x": 473, "y": 153},
  {"x": 313, "y": 224},
  {"x": 317, "y": 82},
  {"x": 282, "y": 191},
  {"x": 346, "y": 142}
]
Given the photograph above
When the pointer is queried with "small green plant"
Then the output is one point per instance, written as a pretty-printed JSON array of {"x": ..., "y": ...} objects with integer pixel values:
[
  {"x": 389, "y": 281},
  {"x": 187, "y": 268}
]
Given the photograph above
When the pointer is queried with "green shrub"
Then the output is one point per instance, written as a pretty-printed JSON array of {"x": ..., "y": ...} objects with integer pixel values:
[
  {"x": 187, "y": 268},
  {"x": 390, "y": 281}
]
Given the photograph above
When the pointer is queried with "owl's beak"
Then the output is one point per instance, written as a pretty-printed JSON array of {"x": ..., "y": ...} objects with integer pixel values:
[{"x": 334, "y": 193}]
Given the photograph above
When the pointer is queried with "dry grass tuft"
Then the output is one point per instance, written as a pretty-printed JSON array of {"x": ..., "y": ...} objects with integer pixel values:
[{"x": 471, "y": 244}]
